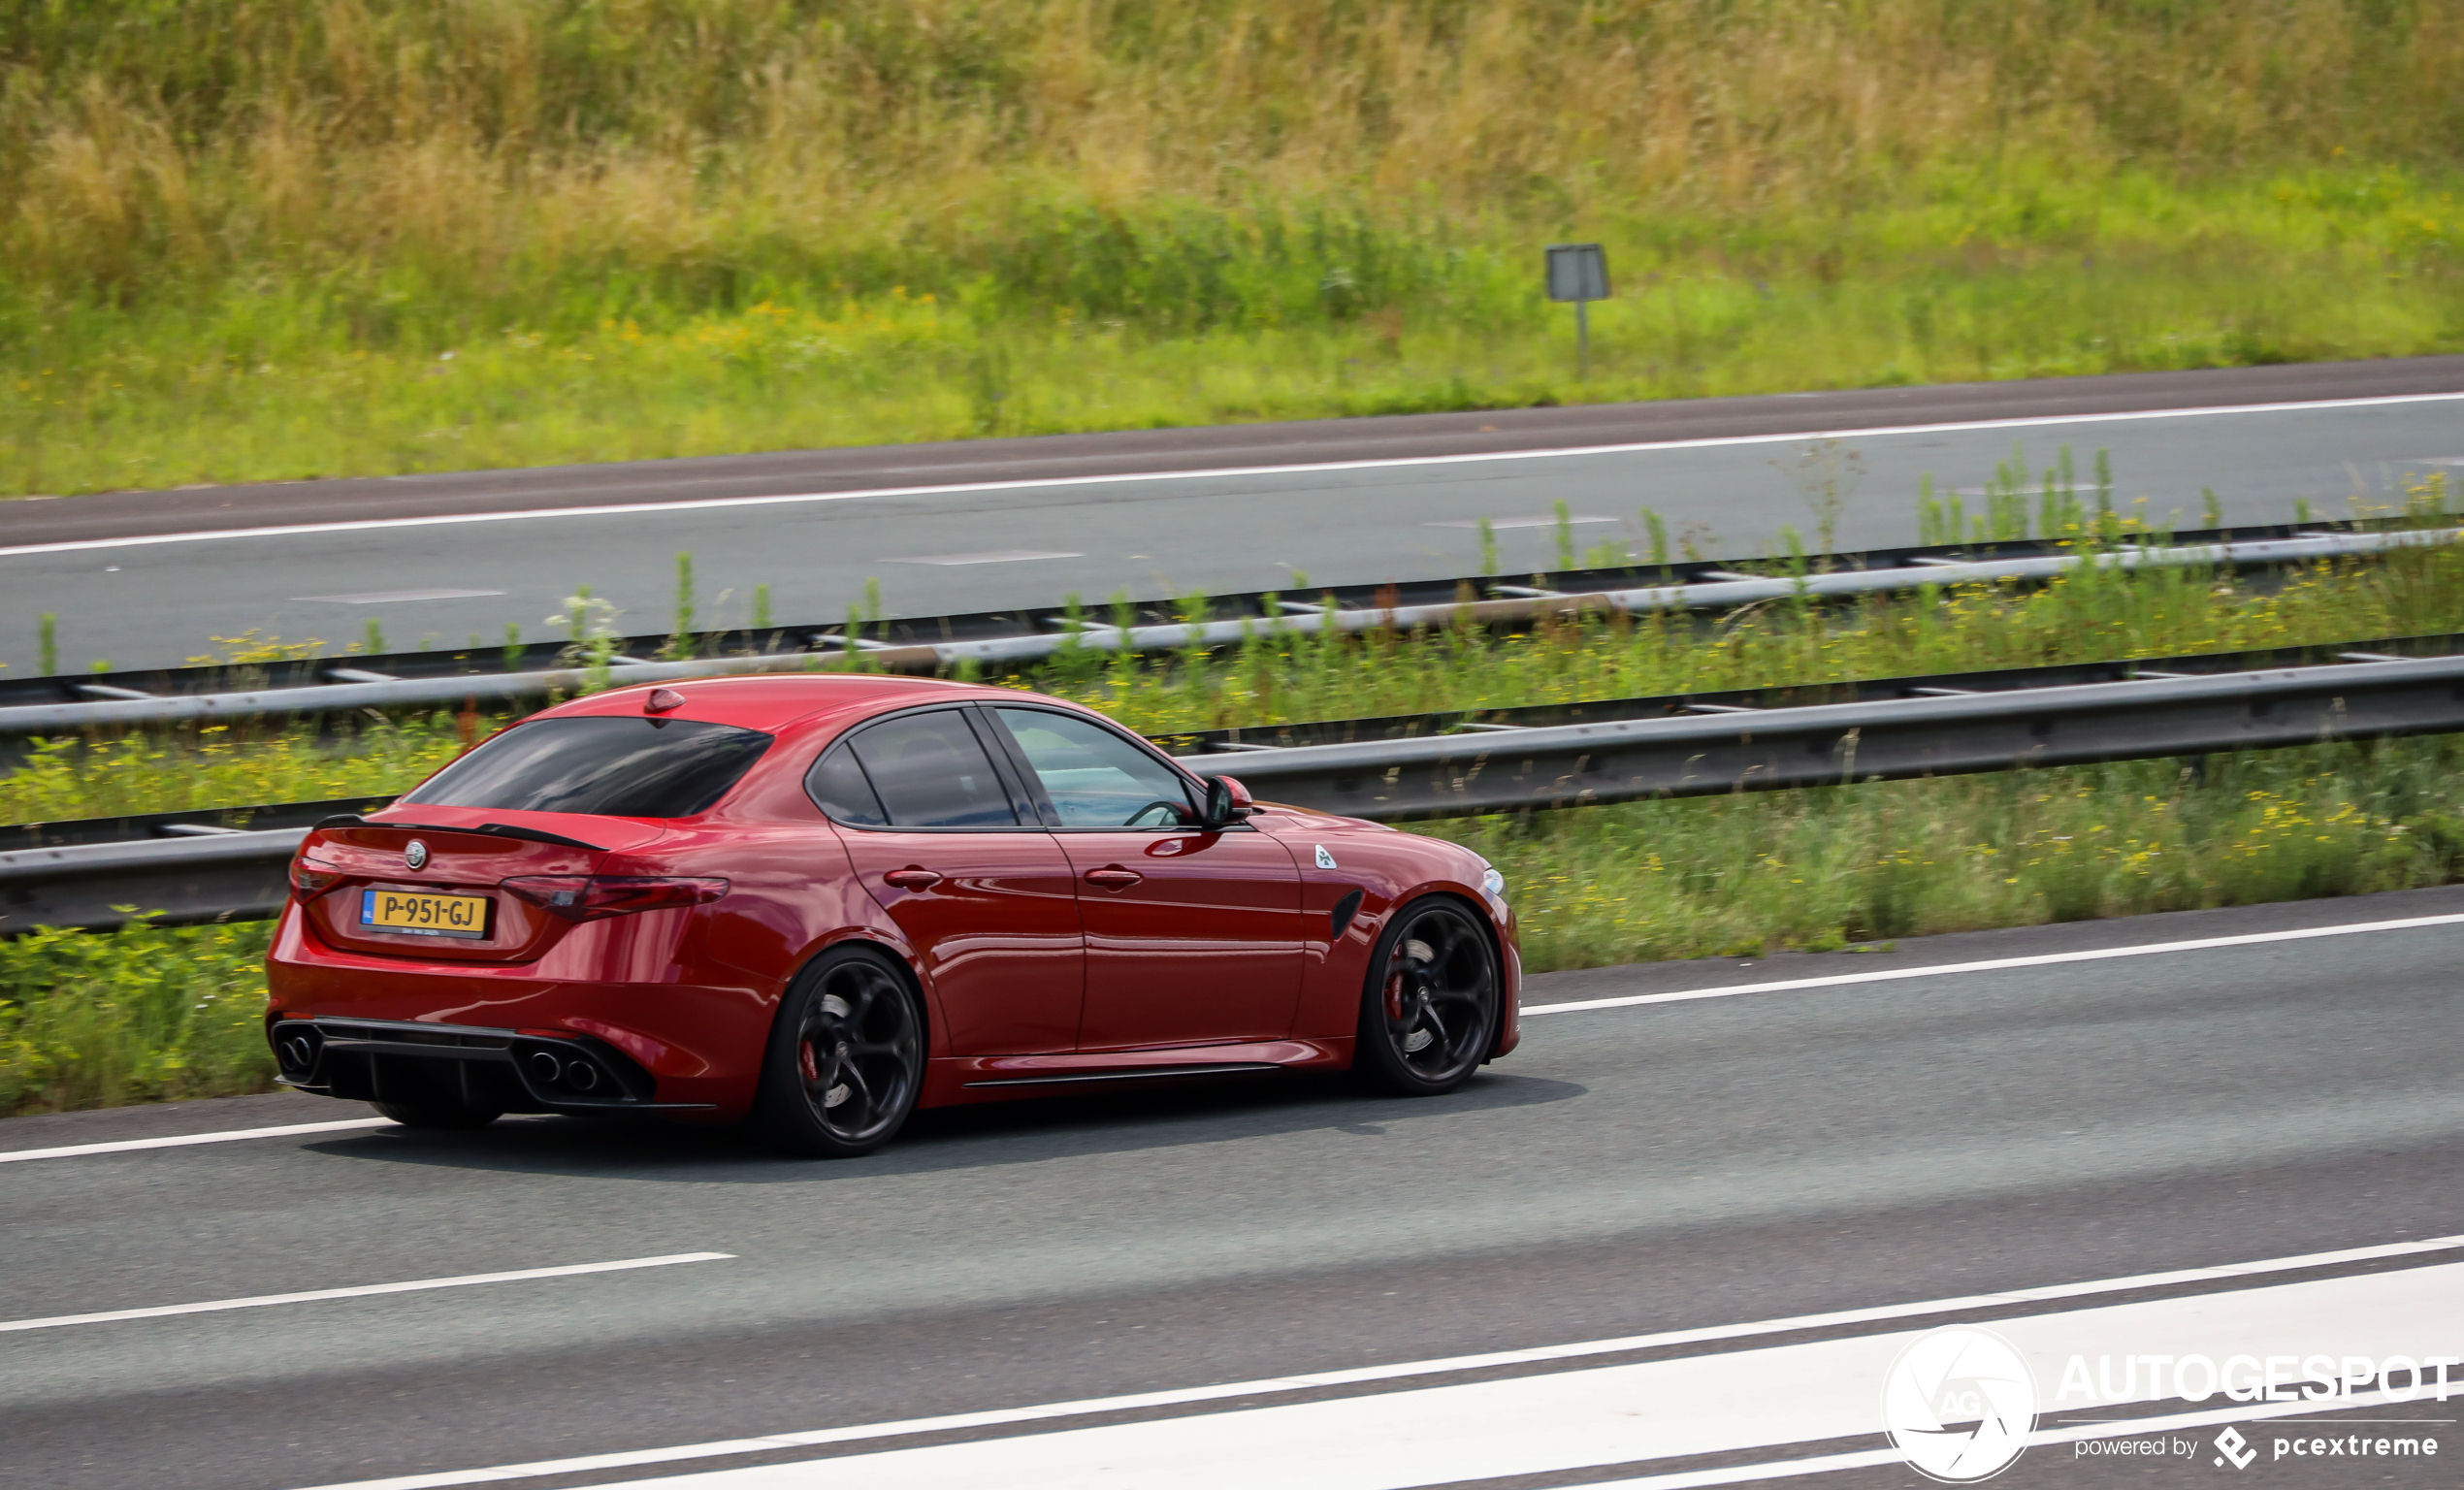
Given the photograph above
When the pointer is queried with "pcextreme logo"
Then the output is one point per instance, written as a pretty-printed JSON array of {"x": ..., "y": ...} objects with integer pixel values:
[{"x": 1960, "y": 1402}]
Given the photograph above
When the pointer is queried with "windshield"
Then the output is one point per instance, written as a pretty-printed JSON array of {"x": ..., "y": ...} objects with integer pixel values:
[{"x": 608, "y": 766}]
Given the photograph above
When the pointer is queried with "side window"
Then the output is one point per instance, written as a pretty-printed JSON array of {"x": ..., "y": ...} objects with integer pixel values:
[
  {"x": 838, "y": 786},
  {"x": 927, "y": 770},
  {"x": 1095, "y": 778}
]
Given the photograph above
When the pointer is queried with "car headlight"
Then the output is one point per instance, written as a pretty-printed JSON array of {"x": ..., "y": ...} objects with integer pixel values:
[{"x": 1493, "y": 882}]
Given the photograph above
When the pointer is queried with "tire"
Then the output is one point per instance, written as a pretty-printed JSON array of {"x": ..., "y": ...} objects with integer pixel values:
[
  {"x": 421, "y": 1115},
  {"x": 846, "y": 1058},
  {"x": 1429, "y": 1013}
]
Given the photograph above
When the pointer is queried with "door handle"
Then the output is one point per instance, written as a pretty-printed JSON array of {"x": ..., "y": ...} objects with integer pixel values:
[
  {"x": 912, "y": 878},
  {"x": 1114, "y": 877}
]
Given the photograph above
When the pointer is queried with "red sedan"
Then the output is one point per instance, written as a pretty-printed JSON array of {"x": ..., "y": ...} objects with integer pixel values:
[{"x": 821, "y": 902}]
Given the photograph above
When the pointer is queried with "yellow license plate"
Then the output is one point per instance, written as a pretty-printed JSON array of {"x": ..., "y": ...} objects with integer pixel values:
[{"x": 416, "y": 915}]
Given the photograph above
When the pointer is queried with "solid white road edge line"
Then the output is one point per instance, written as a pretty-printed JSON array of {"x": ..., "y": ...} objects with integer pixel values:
[
  {"x": 364, "y": 1290},
  {"x": 1836, "y": 980},
  {"x": 1004, "y": 1416},
  {"x": 1872, "y": 1458},
  {"x": 1996, "y": 964},
  {"x": 962, "y": 488},
  {"x": 183, "y": 1140}
]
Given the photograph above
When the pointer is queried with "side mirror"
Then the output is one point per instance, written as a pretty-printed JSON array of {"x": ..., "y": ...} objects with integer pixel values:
[{"x": 1227, "y": 801}]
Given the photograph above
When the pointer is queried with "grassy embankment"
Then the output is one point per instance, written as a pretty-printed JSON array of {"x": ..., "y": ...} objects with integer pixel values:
[
  {"x": 250, "y": 238},
  {"x": 153, "y": 1013}
]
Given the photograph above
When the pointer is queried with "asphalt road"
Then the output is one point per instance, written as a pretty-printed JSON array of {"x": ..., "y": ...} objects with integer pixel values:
[
  {"x": 1680, "y": 1165},
  {"x": 144, "y": 579}
]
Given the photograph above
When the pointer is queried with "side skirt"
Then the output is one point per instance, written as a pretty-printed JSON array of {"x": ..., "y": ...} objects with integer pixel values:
[{"x": 953, "y": 1079}]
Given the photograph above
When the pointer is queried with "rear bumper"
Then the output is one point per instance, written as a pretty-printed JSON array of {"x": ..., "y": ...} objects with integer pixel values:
[
  {"x": 687, "y": 1048},
  {"x": 504, "y": 1070}
]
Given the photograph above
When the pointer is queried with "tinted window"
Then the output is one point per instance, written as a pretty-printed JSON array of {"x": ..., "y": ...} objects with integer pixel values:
[
  {"x": 929, "y": 771},
  {"x": 1095, "y": 778},
  {"x": 838, "y": 786},
  {"x": 613, "y": 765}
]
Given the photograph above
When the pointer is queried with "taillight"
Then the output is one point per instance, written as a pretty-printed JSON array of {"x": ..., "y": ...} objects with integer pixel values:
[
  {"x": 310, "y": 879},
  {"x": 589, "y": 896}
]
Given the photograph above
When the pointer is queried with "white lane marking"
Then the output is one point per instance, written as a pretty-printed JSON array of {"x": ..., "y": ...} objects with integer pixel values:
[
  {"x": 399, "y": 597},
  {"x": 1947, "y": 969},
  {"x": 990, "y": 556},
  {"x": 182, "y": 1140},
  {"x": 1764, "y": 1397},
  {"x": 364, "y": 1290},
  {"x": 1360, "y": 1374},
  {"x": 1386, "y": 463}
]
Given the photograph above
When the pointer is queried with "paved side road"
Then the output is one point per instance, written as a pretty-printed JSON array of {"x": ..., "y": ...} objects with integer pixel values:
[
  {"x": 1631, "y": 1171},
  {"x": 1160, "y": 513}
]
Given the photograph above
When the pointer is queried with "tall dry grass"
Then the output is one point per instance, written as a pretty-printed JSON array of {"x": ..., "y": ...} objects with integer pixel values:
[
  {"x": 483, "y": 140},
  {"x": 1797, "y": 193}
]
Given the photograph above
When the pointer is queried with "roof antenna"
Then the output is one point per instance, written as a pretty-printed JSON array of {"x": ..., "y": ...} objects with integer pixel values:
[{"x": 662, "y": 700}]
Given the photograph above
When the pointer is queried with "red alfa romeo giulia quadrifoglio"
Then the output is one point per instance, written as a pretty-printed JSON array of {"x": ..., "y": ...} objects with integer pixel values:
[{"x": 820, "y": 902}]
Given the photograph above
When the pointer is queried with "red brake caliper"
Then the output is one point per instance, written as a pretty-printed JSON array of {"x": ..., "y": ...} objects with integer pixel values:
[
  {"x": 1394, "y": 995},
  {"x": 804, "y": 1059}
]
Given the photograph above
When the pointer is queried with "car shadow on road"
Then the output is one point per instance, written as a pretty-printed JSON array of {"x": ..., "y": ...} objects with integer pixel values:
[{"x": 960, "y": 1138}]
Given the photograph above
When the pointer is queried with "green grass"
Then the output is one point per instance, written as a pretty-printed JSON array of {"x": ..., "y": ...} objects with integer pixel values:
[
  {"x": 275, "y": 238},
  {"x": 273, "y": 384},
  {"x": 144, "y": 1015},
  {"x": 220, "y": 766},
  {"x": 1829, "y": 868}
]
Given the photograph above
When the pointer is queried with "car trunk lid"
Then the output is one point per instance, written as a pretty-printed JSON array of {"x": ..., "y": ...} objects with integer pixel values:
[{"x": 441, "y": 900}]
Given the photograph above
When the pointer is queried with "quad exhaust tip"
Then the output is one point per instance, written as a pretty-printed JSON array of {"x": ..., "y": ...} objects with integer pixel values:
[{"x": 573, "y": 1073}]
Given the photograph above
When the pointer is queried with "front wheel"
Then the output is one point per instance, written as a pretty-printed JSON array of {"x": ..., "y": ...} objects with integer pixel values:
[
  {"x": 1430, "y": 1011},
  {"x": 846, "y": 1058}
]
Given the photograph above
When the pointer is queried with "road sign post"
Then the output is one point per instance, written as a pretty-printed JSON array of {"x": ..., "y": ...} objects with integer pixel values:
[{"x": 1580, "y": 273}]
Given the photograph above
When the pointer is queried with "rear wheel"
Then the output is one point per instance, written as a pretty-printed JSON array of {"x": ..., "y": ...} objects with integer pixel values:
[
  {"x": 1430, "y": 1011},
  {"x": 437, "y": 1115},
  {"x": 846, "y": 1058}
]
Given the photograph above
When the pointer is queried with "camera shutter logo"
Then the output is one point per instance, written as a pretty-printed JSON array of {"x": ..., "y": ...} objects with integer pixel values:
[
  {"x": 1960, "y": 1402},
  {"x": 415, "y": 856}
]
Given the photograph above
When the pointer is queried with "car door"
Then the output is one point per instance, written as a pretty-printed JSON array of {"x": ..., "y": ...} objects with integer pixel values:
[
  {"x": 1192, "y": 936},
  {"x": 951, "y": 848}
]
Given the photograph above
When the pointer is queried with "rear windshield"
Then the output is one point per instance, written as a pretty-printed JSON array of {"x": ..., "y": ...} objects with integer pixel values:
[{"x": 610, "y": 765}]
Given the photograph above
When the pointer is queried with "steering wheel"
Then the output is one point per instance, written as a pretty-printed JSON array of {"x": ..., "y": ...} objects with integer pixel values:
[{"x": 1176, "y": 815}]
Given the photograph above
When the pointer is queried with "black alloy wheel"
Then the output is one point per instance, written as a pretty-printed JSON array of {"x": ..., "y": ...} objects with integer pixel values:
[
  {"x": 846, "y": 1059},
  {"x": 1430, "y": 1013}
]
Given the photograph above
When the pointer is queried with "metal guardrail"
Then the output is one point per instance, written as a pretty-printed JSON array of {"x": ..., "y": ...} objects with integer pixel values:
[
  {"x": 1578, "y": 765},
  {"x": 1504, "y": 767},
  {"x": 333, "y": 686},
  {"x": 210, "y": 821},
  {"x": 223, "y": 877}
]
